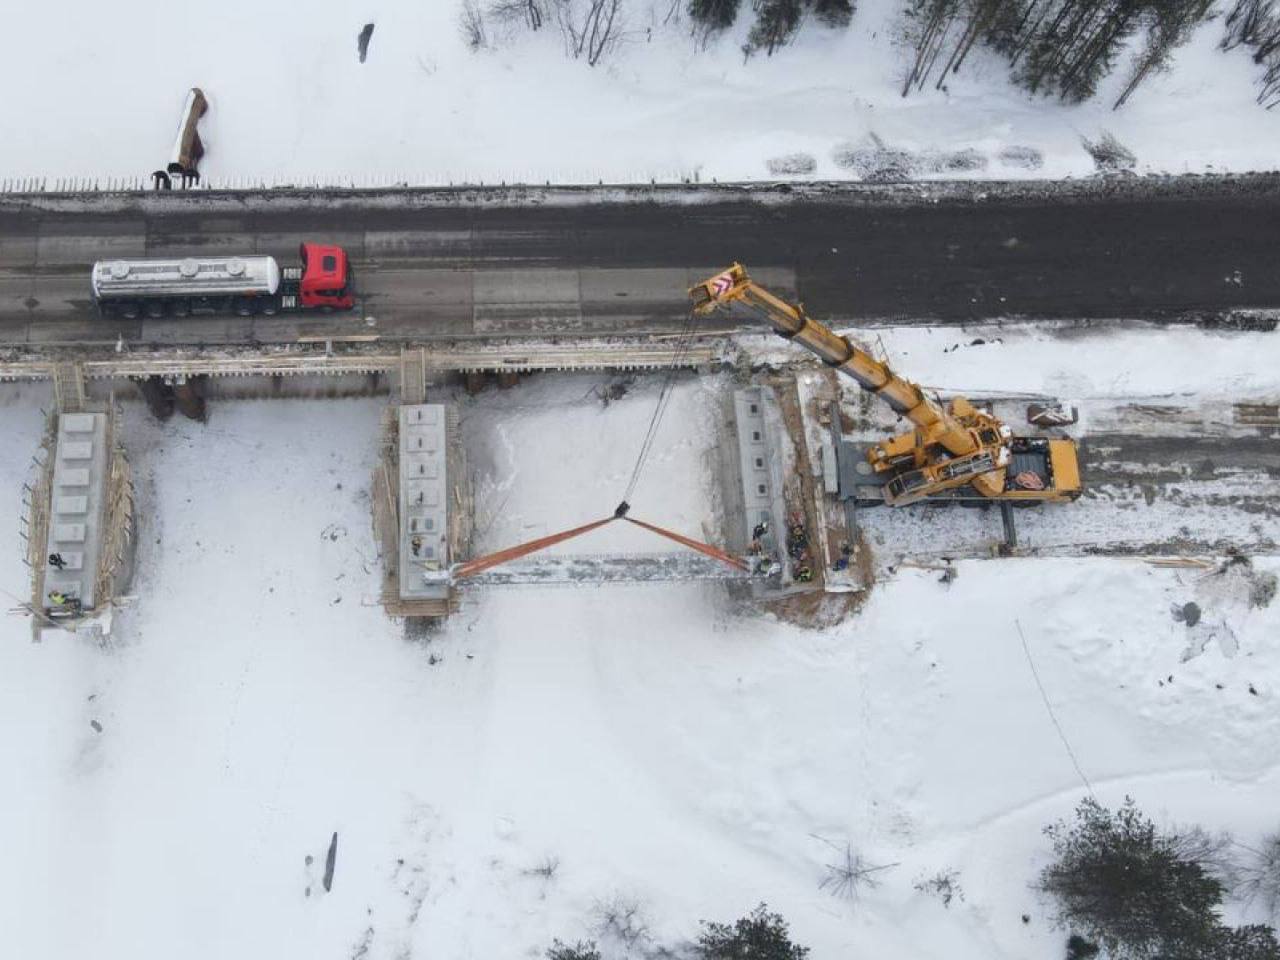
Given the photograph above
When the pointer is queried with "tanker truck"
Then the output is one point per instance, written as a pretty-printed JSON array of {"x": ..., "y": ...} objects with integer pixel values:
[{"x": 245, "y": 285}]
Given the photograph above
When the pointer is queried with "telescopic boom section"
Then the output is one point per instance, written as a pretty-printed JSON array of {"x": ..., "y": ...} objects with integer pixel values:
[{"x": 790, "y": 321}]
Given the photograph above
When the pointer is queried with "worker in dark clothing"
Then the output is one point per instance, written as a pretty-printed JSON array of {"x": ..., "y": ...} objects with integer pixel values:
[
  {"x": 56, "y": 561},
  {"x": 761, "y": 529}
]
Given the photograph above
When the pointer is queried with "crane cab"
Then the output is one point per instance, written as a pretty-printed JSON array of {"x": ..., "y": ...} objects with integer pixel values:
[{"x": 326, "y": 279}]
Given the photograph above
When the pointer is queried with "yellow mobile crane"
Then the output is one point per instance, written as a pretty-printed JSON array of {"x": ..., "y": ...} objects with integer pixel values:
[{"x": 951, "y": 446}]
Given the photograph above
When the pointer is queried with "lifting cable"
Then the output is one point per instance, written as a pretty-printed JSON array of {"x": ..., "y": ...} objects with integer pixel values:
[{"x": 683, "y": 343}]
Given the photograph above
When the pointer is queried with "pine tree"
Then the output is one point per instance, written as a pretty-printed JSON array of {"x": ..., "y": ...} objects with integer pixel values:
[
  {"x": 1170, "y": 23},
  {"x": 760, "y": 935},
  {"x": 714, "y": 14},
  {"x": 833, "y": 13},
  {"x": 1122, "y": 883},
  {"x": 776, "y": 23}
]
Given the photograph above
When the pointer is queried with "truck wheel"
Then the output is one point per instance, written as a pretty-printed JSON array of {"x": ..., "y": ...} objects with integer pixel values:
[
  {"x": 182, "y": 308},
  {"x": 244, "y": 308},
  {"x": 155, "y": 309},
  {"x": 130, "y": 310}
]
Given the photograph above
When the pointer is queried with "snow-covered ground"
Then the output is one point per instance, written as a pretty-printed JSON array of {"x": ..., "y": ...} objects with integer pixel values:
[
  {"x": 654, "y": 743},
  {"x": 291, "y": 103},
  {"x": 1067, "y": 363}
]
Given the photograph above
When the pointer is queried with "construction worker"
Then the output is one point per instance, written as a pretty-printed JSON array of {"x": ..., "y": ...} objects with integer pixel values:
[
  {"x": 416, "y": 545},
  {"x": 803, "y": 574},
  {"x": 56, "y": 561},
  {"x": 761, "y": 529},
  {"x": 756, "y": 548},
  {"x": 57, "y": 599}
]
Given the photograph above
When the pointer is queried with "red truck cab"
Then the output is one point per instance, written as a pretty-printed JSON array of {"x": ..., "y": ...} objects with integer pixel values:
[{"x": 326, "y": 277}]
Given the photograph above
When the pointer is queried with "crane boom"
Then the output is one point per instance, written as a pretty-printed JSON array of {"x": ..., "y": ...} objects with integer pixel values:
[
  {"x": 790, "y": 321},
  {"x": 953, "y": 445}
]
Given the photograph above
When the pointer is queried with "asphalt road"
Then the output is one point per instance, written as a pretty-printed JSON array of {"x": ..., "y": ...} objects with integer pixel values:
[{"x": 503, "y": 268}]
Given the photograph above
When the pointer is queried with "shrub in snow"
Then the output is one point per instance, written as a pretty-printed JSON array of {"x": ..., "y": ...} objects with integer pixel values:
[
  {"x": 1109, "y": 154},
  {"x": 792, "y": 163},
  {"x": 1125, "y": 885},
  {"x": 546, "y": 869},
  {"x": 582, "y": 950},
  {"x": 1028, "y": 158},
  {"x": 760, "y": 935},
  {"x": 621, "y": 921},
  {"x": 1263, "y": 590},
  {"x": 875, "y": 162},
  {"x": 945, "y": 885}
]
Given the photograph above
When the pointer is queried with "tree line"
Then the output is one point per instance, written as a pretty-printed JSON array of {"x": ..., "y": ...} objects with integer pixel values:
[{"x": 1061, "y": 48}]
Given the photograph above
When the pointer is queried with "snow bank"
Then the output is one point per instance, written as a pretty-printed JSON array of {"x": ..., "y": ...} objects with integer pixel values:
[
  {"x": 290, "y": 102},
  {"x": 1032, "y": 359}
]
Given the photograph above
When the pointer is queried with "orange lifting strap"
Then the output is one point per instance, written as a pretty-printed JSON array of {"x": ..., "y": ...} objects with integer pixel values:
[
  {"x": 706, "y": 548},
  {"x": 480, "y": 564}
]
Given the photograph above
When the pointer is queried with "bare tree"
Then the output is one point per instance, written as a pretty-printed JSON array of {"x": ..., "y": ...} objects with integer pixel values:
[
  {"x": 528, "y": 12},
  {"x": 591, "y": 28},
  {"x": 471, "y": 23},
  {"x": 621, "y": 920},
  {"x": 850, "y": 872},
  {"x": 1261, "y": 877}
]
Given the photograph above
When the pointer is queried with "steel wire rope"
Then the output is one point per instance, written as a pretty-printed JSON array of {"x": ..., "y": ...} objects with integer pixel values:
[
  {"x": 1044, "y": 696},
  {"x": 681, "y": 350}
]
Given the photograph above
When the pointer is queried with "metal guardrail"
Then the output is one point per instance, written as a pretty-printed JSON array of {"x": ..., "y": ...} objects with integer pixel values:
[{"x": 519, "y": 358}]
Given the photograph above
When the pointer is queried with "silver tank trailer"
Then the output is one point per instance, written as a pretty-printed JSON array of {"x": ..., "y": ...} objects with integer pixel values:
[{"x": 190, "y": 277}]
